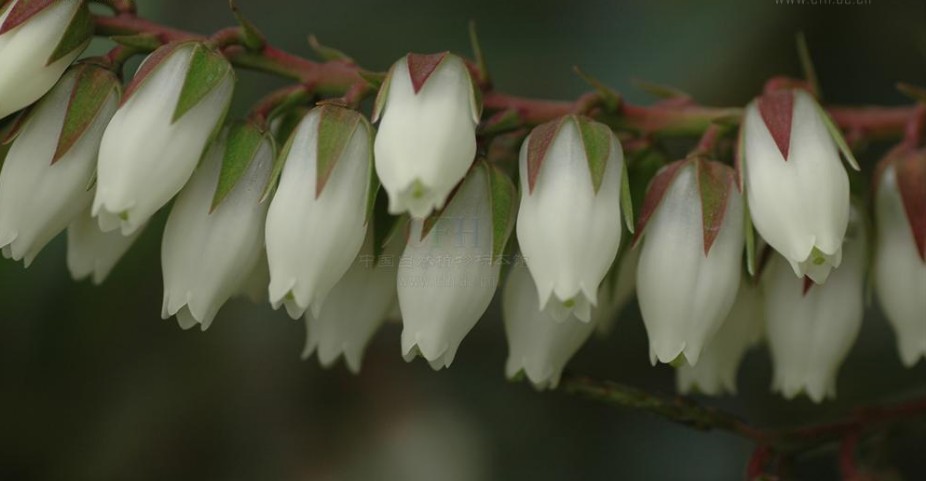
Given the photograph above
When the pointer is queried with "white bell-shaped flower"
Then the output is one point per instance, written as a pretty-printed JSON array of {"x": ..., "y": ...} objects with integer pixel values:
[
  {"x": 810, "y": 327},
  {"x": 215, "y": 232},
  {"x": 46, "y": 177},
  {"x": 716, "y": 370},
  {"x": 93, "y": 253},
  {"x": 569, "y": 223},
  {"x": 538, "y": 344},
  {"x": 170, "y": 111},
  {"x": 427, "y": 136},
  {"x": 317, "y": 219},
  {"x": 900, "y": 253},
  {"x": 449, "y": 270},
  {"x": 356, "y": 307},
  {"x": 38, "y": 40},
  {"x": 796, "y": 186},
  {"x": 690, "y": 261}
]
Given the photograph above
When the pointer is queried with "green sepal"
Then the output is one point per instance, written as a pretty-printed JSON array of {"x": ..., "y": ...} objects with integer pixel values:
[
  {"x": 242, "y": 143},
  {"x": 93, "y": 86},
  {"x": 596, "y": 139},
  {"x": 278, "y": 163},
  {"x": 327, "y": 53},
  {"x": 501, "y": 122},
  {"x": 838, "y": 137},
  {"x": 750, "y": 233},
  {"x": 143, "y": 42},
  {"x": 77, "y": 36},
  {"x": 22, "y": 12},
  {"x": 373, "y": 180},
  {"x": 252, "y": 38},
  {"x": 503, "y": 200},
  {"x": 336, "y": 127},
  {"x": 13, "y": 125},
  {"x": 373, "y": 79},
  {"x": 610, "y": 99},
  {"x": 479, "y": 57},
  {"x": 379, "y": 104},
  {"x": 626, "y": 198},
  {"x": 207, "y": 69},
  {"x": 715, "y": 182}
]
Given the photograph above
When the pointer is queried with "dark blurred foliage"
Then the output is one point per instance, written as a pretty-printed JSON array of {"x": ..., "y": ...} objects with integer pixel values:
[{"x": 95, "y": 386}]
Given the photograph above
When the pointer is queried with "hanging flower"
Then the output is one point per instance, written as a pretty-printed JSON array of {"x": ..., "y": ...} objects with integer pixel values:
[
  {"x": 93, "y": 253},
  {"x": 318, "y": 216},
  {"x": 796, "y": 187},
  {"x": 429, "y": 107},
  {"x": 743, "y": 328},
  {"x": 215, "y": 232},
  {"x": 38, "y": 40},
  {"x": 812, "y": 327},
  {"x": 171, "y": 109},
  {"x": 449, "y": 270},
  {"x": 569, "y": 227},
  {"x": 46, "y": 179},
  {"x": 357, "y": 305},
  {"x": 538, "y": 345},
  {"x": 900, "y": 254},
  {"x": 690, "y": 261}
]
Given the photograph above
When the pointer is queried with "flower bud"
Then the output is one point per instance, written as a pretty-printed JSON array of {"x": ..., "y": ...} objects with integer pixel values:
[
  {"x": 38, "y": 40},
  {"x": 449, "y": 271},
  {"x": 538, "y": 344},
  {"x": 215, "y": 232},
  {"x": 46, "y": 178},
  {"x": 796, "y": 187},
  {"x": 690, "y": 261},
  {"x": 812, "y": 327},
  {"x": 900, "y": 254},
  {"x": 318, "y": 216},
  {"x": 345, "y": 326},
  {"x": 743, "y": 328},
  {"x": 171, "y": 109},
  {"x": 569, "y": 227},
  {"x": 93, "y": 253},
  {"x": 427, "y": 136}
]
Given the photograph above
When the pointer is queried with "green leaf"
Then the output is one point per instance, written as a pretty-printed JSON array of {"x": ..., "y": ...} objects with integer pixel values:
[
  {"x": 336, "y": 127},
  {"x": 626, "y": 198},
  {"x": 504, "y": 201},
  {"x": 77, "y": 36},
  {"x": 93, "y": 86},
  {"x": 838, "y": 137},
  {"x": 596, "y": 138},
  {"x": 207, "y": 69},
  {"x": 241, "y": 147},
  {"x": 380, "y": 104},
  {"x": 143, "y": 42},
  {"x": 328, "y": 54}
]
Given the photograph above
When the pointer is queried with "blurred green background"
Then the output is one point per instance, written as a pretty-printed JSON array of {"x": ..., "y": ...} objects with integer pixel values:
[{"x": 95, "y": 386}]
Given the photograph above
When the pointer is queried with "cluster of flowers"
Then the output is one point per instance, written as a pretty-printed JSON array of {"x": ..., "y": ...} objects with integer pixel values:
[{"x": 298, "y": 225}]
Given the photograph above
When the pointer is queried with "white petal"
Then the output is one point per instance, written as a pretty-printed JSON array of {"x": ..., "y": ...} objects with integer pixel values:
[
  {"x": 144, "y": 158},
  {"x": 810, "y": 334},
  {"x": 92, "y": 252},
  {"x": 900, "y": 273},
  {"x": 684, "y": 295},
  {"x": 716, "y": 370},
  {"x": 38, "y": 199},
  {"x": 426, "y": 141},
  {"x": 569, "y": 235},
  {"x": 538, "y": 344},
  {"x": 311, "y": 242},
  {"x": 207, "y": 255},
  {"x": 446, "y": 280},
  {"x": 25, "y": 50},
  {"x": 800, "y": 204}
]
